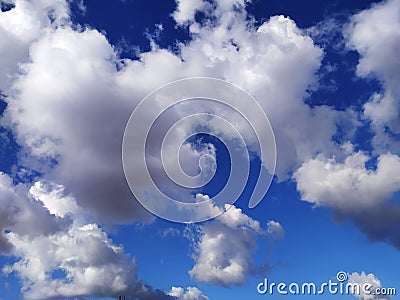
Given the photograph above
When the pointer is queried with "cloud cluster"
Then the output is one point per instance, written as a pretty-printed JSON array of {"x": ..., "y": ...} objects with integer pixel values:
[
  {"x": 59, "y": 254},
  {"x": 276, "y": 62},
  {"x": 359, "y": 193},
  {"x": 75, "y": 124},
  {"x": 374, "y": 34},
  {"x": 88, "y": 261},
  {"x": 223, "y": 250},
  {"x": 69, "y": 97}
]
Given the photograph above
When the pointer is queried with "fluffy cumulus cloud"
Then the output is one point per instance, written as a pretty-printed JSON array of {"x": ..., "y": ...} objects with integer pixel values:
[
  {"x": 351, "y": 182},
  {"x": 355, "y": 192},
  {"x": 224, "y": 247},
  {"x": 349, "y": 186},
  {"x": 88, "y": 261},
  {"x": 52, "y": 197},
  {"x": 59, "y": 254},
  {"x": 22, "y": 25},
  {"x": 191, "y": 293},
  {"x": 372, "y": 285},
  {"x": 375, "y": 34},
  {"x": 77, "y": 66},
  {"x": 276, "y": 62}
]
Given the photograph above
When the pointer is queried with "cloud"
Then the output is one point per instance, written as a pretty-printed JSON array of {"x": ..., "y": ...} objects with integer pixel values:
[
  {"x": 73, "y": 125},
  {"x": 349, "y": 185},
  {"x": 375, "y": 34},
  {"x": 75, "y": 121},
  {"x": 22, "y": 25},
  {"x": 52, "y": 197},
  {"x": 170, "y": 232},
  {"x": 355, "y": 192},
  {"x": 186, "y": 9},
  {"x": 372, "y": 280},
  {"x": 25, "y": 217},
  {"x": 77, "y": 259},
  {"x": 366, "y": 32},
  {"x": 8, "y": 210},
  {"x": 343, "y": 181},
  {"x": 191, "y": 293},
  {"x": 224, "y": 247},
  {"x": 68, "y": 107},
  {"x": 275, "y": 229},
  {"x": 89, "y": 262},
  {"x": 276, "y": 63}
]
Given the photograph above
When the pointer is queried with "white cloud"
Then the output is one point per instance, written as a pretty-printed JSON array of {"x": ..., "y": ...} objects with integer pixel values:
[
  {"x": 368, "y": 31},
  {"x": 371, "y": 280},
  {"x": 19, "y": 27},
  {"x": 80, "y": 113},
  {"x": 355, "y": 192},
  {"x": 349, "y": 185},
  {"x": 91, "y": 263},
  {"x": 70, "y": 119},
  {"x": 52, "y": 197},
  {"x": 44, "y": 242},
  {"x": 275, "y": 63},
  {"x": 223, "y": 251},
  {"x": 375, "y": 34},
  {"x": 186, "y": 10},
  {"x": 23, "y": 216},
  {"x": 191, "y": 293},
  {"x": 342, "y": 180},
  {"x": 275, "y": 229},
  {"x": 170, "y": 232}
]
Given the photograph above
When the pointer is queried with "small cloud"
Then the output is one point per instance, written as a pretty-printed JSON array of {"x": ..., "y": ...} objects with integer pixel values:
[
  {"x": 275, "y": 229},
  {"x": 373, "y": 281},
  {"x": 191, "y": 293},
  {"x": 223, "y": 248},
  {"x": 170, "y": 231}
]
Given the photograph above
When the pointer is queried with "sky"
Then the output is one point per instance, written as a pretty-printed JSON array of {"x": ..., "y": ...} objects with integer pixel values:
[{"x": 135, "y": 134}]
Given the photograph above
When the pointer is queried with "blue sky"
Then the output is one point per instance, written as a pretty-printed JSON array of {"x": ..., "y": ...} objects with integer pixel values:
[{"x": 326, "y": 75}]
